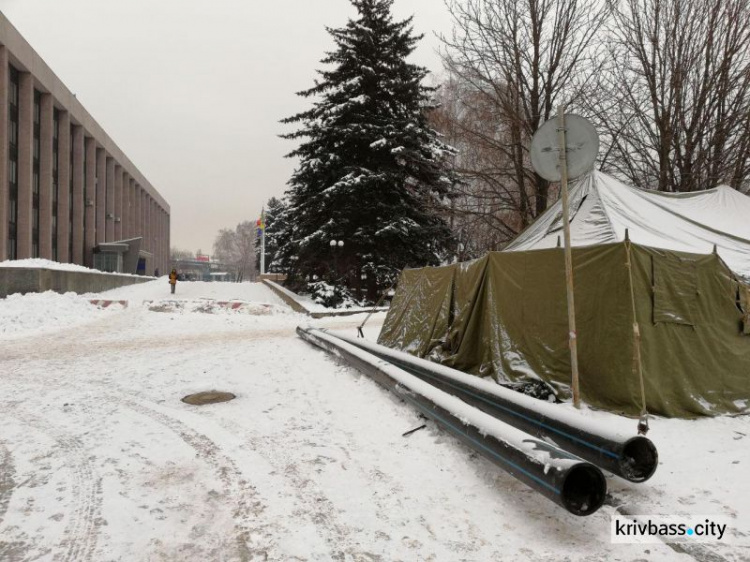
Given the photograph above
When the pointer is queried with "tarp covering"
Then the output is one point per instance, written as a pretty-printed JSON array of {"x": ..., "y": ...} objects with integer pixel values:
[
  {"x": 602, "y": 208},
  {"x": 425, "y": 295},
  {"x": 505, "y": 315}
]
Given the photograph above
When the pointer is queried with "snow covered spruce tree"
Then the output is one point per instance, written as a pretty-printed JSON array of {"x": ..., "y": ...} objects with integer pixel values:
[{"x": 372, "y": 173}]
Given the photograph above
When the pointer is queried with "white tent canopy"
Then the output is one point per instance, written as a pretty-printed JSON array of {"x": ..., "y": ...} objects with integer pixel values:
[{"x": 602, "y": 208}]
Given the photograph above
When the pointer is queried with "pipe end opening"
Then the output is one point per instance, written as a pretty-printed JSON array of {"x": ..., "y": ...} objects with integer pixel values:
[
  {"x": 639, "y": 459},
  {"x": 584, "y": 489}
]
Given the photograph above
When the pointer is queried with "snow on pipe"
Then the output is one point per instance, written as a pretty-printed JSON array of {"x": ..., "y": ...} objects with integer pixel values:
[
  {"x": 633, "y": 458},
  {"x": 567, "y": 480}
]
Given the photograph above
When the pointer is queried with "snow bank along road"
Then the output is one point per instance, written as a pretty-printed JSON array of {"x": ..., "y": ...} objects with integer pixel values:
[{"x": 100, "y": 460}]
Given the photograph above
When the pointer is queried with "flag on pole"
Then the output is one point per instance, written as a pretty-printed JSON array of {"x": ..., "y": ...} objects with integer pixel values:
[{"x": 261, "y": 222}]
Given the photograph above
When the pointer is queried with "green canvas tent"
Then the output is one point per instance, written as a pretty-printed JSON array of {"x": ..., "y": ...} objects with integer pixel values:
[{"x": 505, "y": 316}]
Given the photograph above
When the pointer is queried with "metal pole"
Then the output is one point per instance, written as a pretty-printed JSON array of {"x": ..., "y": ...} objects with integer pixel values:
[{"x": 572, "y": 336}]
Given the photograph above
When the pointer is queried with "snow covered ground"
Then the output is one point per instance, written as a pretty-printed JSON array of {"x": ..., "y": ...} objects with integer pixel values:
[{"x": 100, "y": 460}]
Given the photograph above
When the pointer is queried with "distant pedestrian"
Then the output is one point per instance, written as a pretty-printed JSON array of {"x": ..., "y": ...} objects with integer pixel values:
[{"x": 173, "y": 279}]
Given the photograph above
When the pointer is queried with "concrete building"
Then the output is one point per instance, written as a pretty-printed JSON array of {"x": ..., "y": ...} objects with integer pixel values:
[{"x": 67, "y": 192}]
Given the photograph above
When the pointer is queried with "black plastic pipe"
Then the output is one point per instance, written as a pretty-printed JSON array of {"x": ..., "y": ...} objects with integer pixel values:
[
  {"x": 567, "y": 480},
  {"x": 632, "y": 458}
]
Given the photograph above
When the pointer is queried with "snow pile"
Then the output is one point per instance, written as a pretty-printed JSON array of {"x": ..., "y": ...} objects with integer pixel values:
[
  {"x": 331, "y": 296},
  {"x": 311, "y": 306},
  {"x": 39, "y": 263},
  {"x": 39, "y": 313}
]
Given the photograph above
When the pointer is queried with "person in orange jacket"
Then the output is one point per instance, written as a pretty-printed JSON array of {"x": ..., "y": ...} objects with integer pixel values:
[{"x": 173, "y": 279}]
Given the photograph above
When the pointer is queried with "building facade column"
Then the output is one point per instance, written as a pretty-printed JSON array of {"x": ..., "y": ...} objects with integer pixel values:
[
  {"x": 137, "y": 213},
  {"x": 169, "y": 233},
  {"x": 25, "y": 163},
  {"x": 143, "y": 220},
  {"x": 160, "y": 238},
  {"x": 78, "y": 203},
  {"x": 141, "y": 212},
  {"x": 160, "y": 242},
  {"x": 165, "y": 243},
  {"x": 139, "y": 202},
  {"x": 45, "y": 175},
  {"x": 147, "y": 224},
  {"x": 4, "y": 148},
  {"x": 165, "y": 236},
  {"x": 125, "y": 205},
  {"x": 167, "y": 249},
  {"x": 118, "y": 202},
  {"x": 89, "y": 234},
  {"x": 150, "y": 230},
  {"x": 160, "y": 232},
  {"x": 131, "y": 217},
  {"x": 164, "y": 249},
  {"x": 156, "y": 236},
  {"x": 63, "y": 196},
  {"x": 155, "y": 232},
  {"x": 144, "y": 215},
  {"x": 101, "y": 195},
  {"x": 110, "y": 200},
  {"x": 149, "y": 243}
]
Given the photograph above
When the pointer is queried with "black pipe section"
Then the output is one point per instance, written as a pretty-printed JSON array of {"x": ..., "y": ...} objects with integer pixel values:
[
  {"x": 567, "y": 480},
  {"x": 635, "y": 459}
]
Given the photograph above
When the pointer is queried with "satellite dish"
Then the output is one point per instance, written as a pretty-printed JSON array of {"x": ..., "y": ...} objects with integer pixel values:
[{"x": 582, "y": 146}]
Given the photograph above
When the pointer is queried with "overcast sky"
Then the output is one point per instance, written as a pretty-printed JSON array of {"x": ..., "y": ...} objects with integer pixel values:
[{"x": 193, "y": 91}]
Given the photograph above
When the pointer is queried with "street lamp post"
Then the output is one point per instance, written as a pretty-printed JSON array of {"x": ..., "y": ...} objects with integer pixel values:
[{"x": 336, "y": 244}]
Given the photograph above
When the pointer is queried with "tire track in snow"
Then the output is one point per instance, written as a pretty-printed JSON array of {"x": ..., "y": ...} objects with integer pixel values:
[
  {"x": 88, "y": 345},
  {"x": 235, "y": 487},
  {"x": 314, "y": 505},
  {"x": 80, "y": 536},
  {"x": 7, "y": 482},
  {"x": 341, "y": 538}
]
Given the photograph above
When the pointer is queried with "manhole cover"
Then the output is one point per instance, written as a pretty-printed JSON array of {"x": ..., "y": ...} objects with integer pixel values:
[{"x": 211, "y": 397}]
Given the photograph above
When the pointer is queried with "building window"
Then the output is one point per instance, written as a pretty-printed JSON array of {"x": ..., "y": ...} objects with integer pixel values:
[
  {"x": 13, "y": 164},
  {"x": 108, "y": 261}
]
